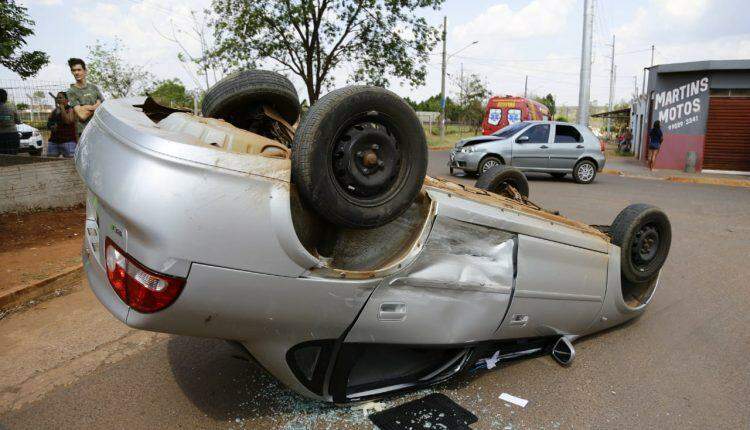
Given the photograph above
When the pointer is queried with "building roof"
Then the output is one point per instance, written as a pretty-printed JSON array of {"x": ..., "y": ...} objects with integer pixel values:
[
  {"x": 695, "y": 66},
  {"x": 619, "y": 113}
]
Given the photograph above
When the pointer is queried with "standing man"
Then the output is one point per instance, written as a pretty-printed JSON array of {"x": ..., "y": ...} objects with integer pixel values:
[
  {"x": 62, "y": 126},
  {"x": 10, "y": 140},
  {"x": 84, "y": 97}
]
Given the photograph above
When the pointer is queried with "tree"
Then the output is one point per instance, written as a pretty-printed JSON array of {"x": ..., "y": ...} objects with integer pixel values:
[
  {"x": 312, "y": 38},
  {"x": 113, "y": 74},
  {"x": 432, "y": 104},
  {"x": 15, "y": 27},
  {"x": 472, "y": 94},
  {"x": 22, "y": 106},
  {"x": 549, "y": 101},
  {"x": 210, "y": 66},
  {"x": 171, "y": 92}
]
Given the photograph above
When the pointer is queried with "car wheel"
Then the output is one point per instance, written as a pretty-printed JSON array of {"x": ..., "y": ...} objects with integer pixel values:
[
  {"x": 239, "y": 98},
  {"x": 497, "y": 179},
  {"x": 584, "y": 172},
  {"x": 558, "y": 175},
  {"x": 360, "y": 156},
  {"x": 487, "y": 163},
  {"x": 644, "y": 234}
]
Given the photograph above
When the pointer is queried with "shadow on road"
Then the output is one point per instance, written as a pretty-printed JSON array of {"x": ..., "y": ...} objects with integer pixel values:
[{"x": 226, "y": 388}]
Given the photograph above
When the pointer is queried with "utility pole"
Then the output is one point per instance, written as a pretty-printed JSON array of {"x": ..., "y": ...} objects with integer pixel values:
[
  {"x": 526, "y": 86},
  {"x": 652, "y": 55},
  {"x": 584, "y": 88},
  {"x": 635, "y": 87},
  {"x": 611, "y": 85},
  {"x": 442, "y": 83},
  {"x": 461, "y": 99}
]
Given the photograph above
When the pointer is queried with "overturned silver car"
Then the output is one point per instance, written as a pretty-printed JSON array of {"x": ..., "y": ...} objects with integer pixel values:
[{"x": 325, "y": 252}]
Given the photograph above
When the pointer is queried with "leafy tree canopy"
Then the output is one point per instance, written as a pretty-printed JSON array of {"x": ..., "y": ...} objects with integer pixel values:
[
  {"x": 171, "y": 92},
  {"x": 312, "y": 38},
  {"x": 15, "y": 27},
  {"x": 115, "y": 76},
  {"x": 549, "y": 101}
]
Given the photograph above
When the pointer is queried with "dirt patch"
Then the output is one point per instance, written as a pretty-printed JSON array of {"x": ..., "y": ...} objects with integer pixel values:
[
  {"x": 34, "y": 229},
  {"x": 35, "y": 246}
]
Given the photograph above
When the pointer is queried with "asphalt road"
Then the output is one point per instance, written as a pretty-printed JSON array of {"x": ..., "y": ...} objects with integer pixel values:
[{"x": 67, "y": 364}]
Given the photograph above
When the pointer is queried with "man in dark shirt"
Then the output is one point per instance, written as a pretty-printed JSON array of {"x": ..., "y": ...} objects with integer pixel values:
[
  {"x": 62, "y": 126},
  {"x": 10, "y": 140}
]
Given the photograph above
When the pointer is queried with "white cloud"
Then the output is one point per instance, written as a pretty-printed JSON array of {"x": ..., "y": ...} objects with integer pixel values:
[
  {"x": 684, "y": 9},
  {"x": 144, "y": 28},
  {"x": 43, "y": 2},
  {"x": 538, "y": 18}
]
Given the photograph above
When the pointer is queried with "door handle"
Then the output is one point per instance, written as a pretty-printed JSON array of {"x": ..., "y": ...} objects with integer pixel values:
[
  {"x": 543, "y": 147},
  {"x": 579, "y": 146}
]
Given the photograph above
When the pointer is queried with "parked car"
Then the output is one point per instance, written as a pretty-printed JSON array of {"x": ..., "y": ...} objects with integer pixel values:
[
  {"x": 31, "y": 140},
  {"x": 503, "y": 111},
  {"x": 323, "y": 260},
  {"x": 557, "y": 148}
]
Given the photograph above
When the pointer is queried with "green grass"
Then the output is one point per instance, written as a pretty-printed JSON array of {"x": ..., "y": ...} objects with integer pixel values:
[{"x": 453, "y": 133}]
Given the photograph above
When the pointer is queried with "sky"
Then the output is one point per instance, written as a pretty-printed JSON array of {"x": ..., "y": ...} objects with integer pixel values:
[{"x": 540, "y": 39}]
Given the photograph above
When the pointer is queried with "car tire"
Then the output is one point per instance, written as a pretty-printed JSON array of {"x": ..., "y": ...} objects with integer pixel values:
[
  {"x": 487, "y": 163},
  {"x": 584, "y": 172},
  {"x": 497, "y": 178},
  {"x": 35, "y": 152},
  {"x": 558, "y": 175},
  {"x": 239, "y": 97},
  {"x": 360, "y": 156},
  {"x": 644, "y": 234}
]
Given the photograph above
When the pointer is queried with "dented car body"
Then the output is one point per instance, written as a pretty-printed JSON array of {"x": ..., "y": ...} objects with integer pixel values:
[{"x": 336, "y": 314}]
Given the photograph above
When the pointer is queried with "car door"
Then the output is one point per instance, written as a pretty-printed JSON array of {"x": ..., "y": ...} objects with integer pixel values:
[
  {"x": 567, "y": 146},
  {"x": 530, "y": 150}
]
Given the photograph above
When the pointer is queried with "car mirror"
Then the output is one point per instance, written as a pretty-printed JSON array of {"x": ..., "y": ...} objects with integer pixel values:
[{"x": 522, "y": 139}]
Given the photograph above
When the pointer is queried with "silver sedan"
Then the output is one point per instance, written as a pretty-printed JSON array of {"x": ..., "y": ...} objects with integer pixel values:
[{"x": 557, "y": 148}]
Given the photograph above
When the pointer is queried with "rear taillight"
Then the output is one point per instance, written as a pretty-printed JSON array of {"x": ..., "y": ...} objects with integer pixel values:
[
  {"x": 140, "y": 288},
  {"x": 602, "y": 145}
]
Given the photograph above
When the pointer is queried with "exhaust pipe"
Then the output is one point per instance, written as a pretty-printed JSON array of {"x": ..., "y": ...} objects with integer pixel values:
[{"x": 563, "y": 351}]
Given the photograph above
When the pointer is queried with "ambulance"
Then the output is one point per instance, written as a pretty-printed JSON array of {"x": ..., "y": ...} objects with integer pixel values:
[{"x": 505, "y": 110}]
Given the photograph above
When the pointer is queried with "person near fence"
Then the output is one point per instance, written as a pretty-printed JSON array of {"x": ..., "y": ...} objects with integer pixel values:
[
  {"x": 10, "y": 140},
  {"x": 62, "y": 126},
  {"x": 84, "y": 97}
]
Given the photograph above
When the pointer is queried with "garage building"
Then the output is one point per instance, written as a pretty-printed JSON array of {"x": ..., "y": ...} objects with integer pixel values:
[{"x": 704, "y": 107}]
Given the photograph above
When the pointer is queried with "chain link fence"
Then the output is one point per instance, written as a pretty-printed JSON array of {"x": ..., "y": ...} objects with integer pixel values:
[{"x": 34, "y": 102}]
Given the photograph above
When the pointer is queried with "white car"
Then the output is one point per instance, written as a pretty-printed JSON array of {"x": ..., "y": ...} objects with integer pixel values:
[{"x": 31, "y": 140}]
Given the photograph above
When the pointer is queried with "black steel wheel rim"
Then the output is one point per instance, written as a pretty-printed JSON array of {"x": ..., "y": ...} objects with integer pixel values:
[
  {"x": 645, "y": 247},
  {"x": 366, "y": 159}
]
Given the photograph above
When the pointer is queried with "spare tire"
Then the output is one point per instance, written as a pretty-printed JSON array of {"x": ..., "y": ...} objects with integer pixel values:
[
  {"x": 496, "y": 179},
  {"x": 644, "y": 234},
  {"x": 239, "y": 98},
  {"x": 360, "y": 156}
]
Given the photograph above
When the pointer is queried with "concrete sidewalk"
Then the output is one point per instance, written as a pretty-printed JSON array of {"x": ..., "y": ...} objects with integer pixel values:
[{"x": 631, "y": 167}]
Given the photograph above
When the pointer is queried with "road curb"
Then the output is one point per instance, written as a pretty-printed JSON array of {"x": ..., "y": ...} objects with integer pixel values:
[
  {"x": 726, "y": 182},
  {"x": 24, "y": 293}
]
